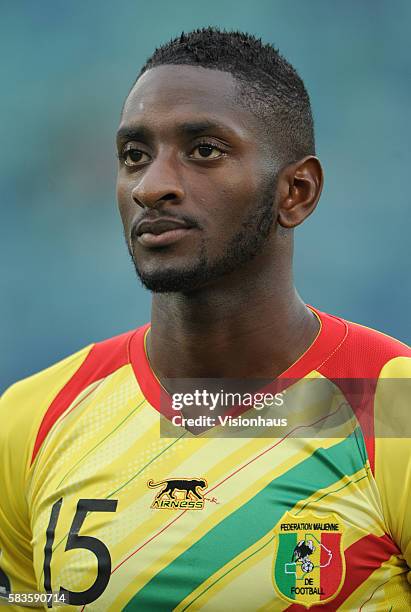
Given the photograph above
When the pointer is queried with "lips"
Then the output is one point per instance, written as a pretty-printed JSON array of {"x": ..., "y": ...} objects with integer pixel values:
[
  {"x": 160, "y": 226},
  {"x": 161, "y": 232}
]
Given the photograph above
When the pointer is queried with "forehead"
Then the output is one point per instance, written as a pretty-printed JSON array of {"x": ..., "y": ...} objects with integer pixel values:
[{"x": 169, "y": 94}]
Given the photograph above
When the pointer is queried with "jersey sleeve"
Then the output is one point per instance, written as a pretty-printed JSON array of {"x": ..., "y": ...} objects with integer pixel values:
[
  {"x": 16, "y": 568},
  {"x": 22, "y": 408},
  {"x": 392, "y": 413}
]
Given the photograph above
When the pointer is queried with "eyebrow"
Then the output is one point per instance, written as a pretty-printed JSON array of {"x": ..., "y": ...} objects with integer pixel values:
[
  {"x": 133, "y": 133},
  {"x": 191, "y": 128}
]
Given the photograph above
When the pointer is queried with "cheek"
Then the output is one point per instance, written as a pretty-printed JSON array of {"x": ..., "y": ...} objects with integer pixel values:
[
  {"x": 235, "y": 200},
  {"x": 220, "y": 195},
  {"x": 226, "y": 216},
  {"x": 123, "y": 201}
]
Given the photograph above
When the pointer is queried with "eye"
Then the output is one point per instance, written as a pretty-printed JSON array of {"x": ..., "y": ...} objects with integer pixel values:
[
  {"x": 133, "y": 156},
  {"x": 206, "y": 151}
]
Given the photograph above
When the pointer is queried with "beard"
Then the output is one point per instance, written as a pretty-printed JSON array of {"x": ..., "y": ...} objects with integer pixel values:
[{"x": 239, "y": 250}]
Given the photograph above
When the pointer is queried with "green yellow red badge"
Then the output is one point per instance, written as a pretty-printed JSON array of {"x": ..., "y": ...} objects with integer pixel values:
[{"x": 309, "y": 563}]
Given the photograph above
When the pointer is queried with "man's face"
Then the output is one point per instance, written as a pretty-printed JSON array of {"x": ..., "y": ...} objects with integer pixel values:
[{"x": 196, "y": 182}]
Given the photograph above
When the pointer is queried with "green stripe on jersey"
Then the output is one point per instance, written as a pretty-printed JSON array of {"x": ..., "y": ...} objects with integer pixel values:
[
  {"x": 248, "y": 524},
  {"x": 288, "y": 542}
]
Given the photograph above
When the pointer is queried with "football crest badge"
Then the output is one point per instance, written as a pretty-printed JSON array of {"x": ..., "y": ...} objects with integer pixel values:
[{"x": 309, "y": 563}]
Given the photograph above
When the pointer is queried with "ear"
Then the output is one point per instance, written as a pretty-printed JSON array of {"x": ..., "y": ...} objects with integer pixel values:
[{"x": 299, "y": 188}]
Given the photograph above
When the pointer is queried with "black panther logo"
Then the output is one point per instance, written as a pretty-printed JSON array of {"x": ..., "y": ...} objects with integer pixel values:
[{"x": 190, "y": 487}]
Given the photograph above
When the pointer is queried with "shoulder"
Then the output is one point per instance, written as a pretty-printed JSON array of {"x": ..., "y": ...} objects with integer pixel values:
[
  {"x": 372, "y": 339},
  {"x": 390, "y": 357},
  {"x": 365, "y": 352},
  {"x": 373, "y": 370},
  {"x": 24, "y": 405},
  {"x": 38, "y": 389},
  {"x": 99, "y": 356}
]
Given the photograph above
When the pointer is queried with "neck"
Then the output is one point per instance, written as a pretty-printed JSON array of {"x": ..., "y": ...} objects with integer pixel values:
[{"x": 251, "y": 329}]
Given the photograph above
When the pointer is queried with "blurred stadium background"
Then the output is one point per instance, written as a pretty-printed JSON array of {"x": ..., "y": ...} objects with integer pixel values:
[{"x": 65, "y": 274}]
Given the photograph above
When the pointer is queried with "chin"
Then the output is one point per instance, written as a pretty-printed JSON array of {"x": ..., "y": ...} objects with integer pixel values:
[
  {"x": 176, "y": 277},
  {"x": 171, "y": 281}
]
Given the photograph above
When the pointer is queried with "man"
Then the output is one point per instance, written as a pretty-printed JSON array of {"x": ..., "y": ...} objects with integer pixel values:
[{"x": 104, "y": 503}]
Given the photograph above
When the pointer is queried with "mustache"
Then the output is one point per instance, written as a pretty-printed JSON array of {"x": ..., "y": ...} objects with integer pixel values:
[{"x": 189, "y": 221}]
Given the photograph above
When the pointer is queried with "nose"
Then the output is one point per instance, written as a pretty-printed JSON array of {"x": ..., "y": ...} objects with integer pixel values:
[{"x": 159, "y": 182}]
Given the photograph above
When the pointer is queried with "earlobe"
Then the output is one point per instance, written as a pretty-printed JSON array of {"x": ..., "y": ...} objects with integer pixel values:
[{"x": 299, "y": 189}]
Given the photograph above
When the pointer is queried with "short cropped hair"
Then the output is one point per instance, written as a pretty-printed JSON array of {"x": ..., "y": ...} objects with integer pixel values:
[{"x": 268, "y": 85}]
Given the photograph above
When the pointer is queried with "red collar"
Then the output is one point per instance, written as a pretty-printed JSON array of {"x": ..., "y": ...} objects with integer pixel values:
[{"x": 330, "y": 336}]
